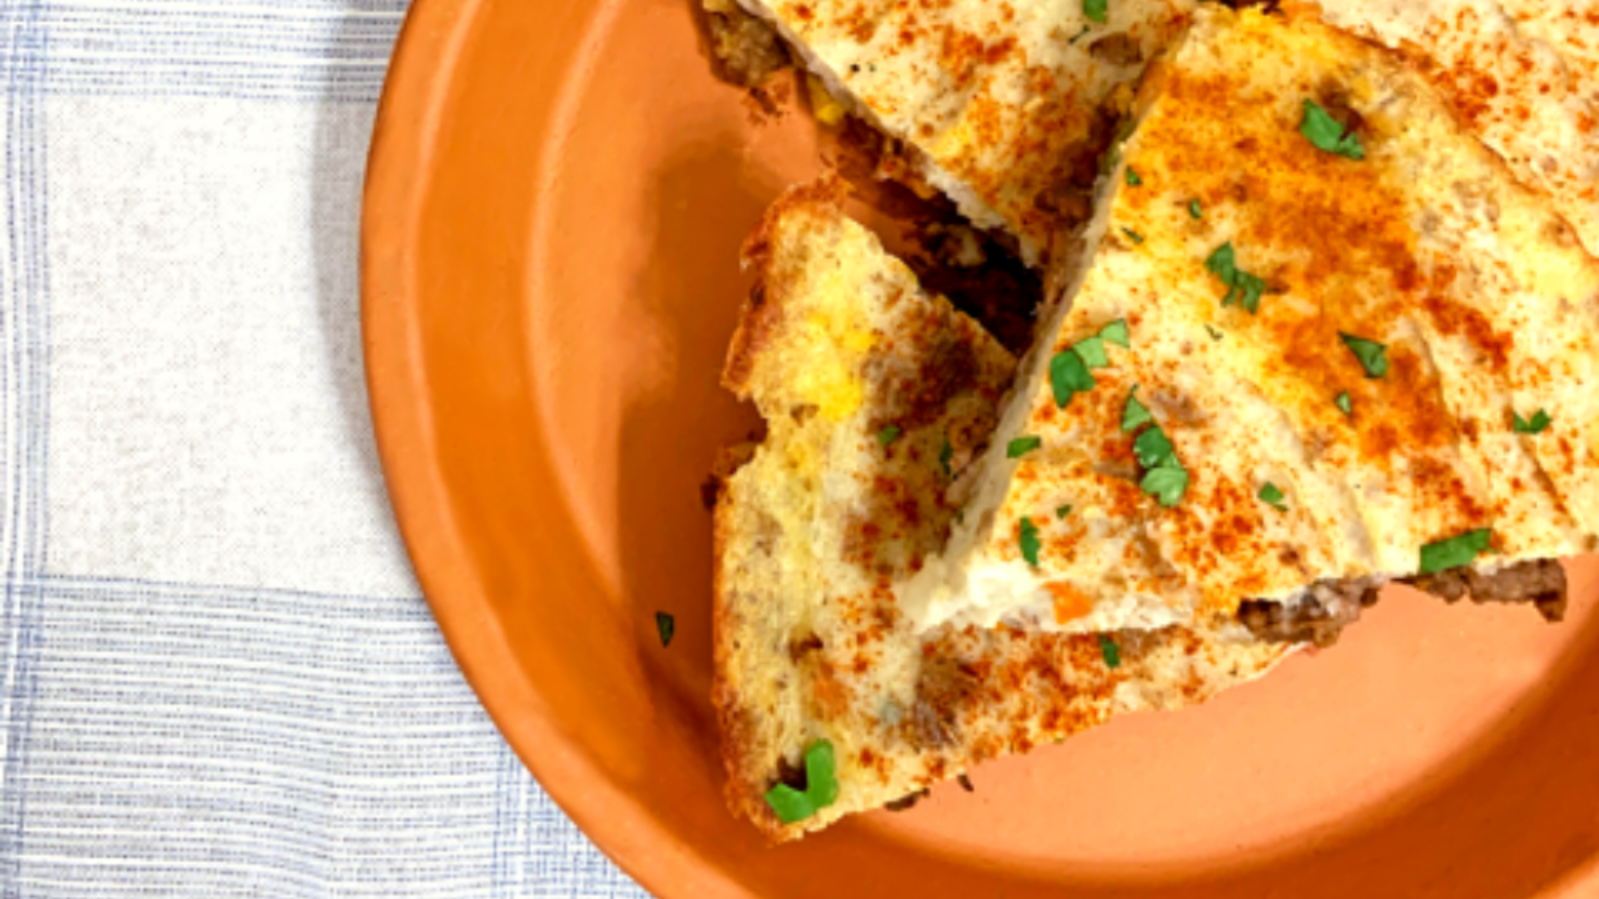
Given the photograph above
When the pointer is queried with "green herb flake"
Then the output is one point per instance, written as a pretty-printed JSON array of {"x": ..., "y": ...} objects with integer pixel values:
[
  {"x": 1068, "y": 375},
  {"x": 888, "y": 434},
  {"x": 1327, "y": 134},
  {"x": 1373, "y": 356},
  {"x": 1154, "y": 449},
  {"x": 1344, "y": 403},
  {"x": 1242, "y": 287},
  {"x": 1096, "y": 10},
  {"x": 1195, "y": 211},
  {"x": 1078, "y": 36},
  {"x": 1166, "y": 484},
  {"x": 1164, "y": 476},
  {"x": 821, "y": 786},
  {"x": 945, "y": 454},
  {"x": 1133, "y": 236},
  {"x": 1070, "y": 371},
  {"x": 1062, "y": 511},
  {"x": 1029, "y": 541},
  {"x": 1021, "y": 446},
  {"x": 1540, "y": 421},
  {"x": 666, "y": 626},
  {"x": 1134, "y": 413},
  {"x": 1116, "y": 332},
  {"x": 1132, "y": 177},
  {"x": 1214, "y": 334},
  {"x": 1273, "y": 496},
  {"x": 1222, "y": 262},
  {"x": 1461, "y": 550},
  {"x": 1092, "y": 351},
  {"x": 1111, "y": 652}
]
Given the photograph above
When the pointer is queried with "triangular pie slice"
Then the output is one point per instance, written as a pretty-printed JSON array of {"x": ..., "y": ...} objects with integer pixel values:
[
  {"x": 1000, "y": 105},
  {"x": 1315, "y": 338},
  {"x": 876, "y": 396}
]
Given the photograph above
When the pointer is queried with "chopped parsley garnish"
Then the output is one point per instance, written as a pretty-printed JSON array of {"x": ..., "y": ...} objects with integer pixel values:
[
  {"x": 1195, "y": 210},
  {"x": 821, "y": 787},
  {"x": 1116, "y": 332},
  {"x": 1372, "y": 355},
  {"x": 1069, "y": 370},
  {"x": 945, "y": 454},
  {"x": 1132, "y": 177},
  {"x": 666, "y": 625},
  {"x": 1021, "y": 446},
  {"x": 1154, "y": 449},
  {"x": 1078, "y": 35},
  {"x": 888, "y": 434},
  {"x": 1092, "y": 351},
  {"x": 1344, "y": 403},
  {"x": 1029, "y": 541},
  {"x": 1272, "y": 496},
  {"x": 1214, "y": 334},
  {"x": 1111, "y": 652},
  {"x": 1166, "y": 484},
  {"x": 1540, "y": 420},
  {"x": 1063, "y": 511},
  {"x": 1164, "y": 476},
  {"x": 1096, "y": 10},
  {"x": 1443, "y": 555},
  {"x": 1242, "y": 287},
  {"x": 1327, "y": 134},
  {"x": 1133, "y": 236},
  {"x": 1068, "y": 375},
  {"x": 1134, "y": 413},
  {"x": 1222, "y": 262}
]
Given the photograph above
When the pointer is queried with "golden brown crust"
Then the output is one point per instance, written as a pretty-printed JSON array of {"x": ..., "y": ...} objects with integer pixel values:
[
  {"x": 759, "y": 325},
  {"x": 738, "y": 742},
  {"x": 756, "y": 324},
  {"x": 763, "y": 313}
]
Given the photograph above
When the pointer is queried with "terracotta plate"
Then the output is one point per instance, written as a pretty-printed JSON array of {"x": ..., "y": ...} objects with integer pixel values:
[{"x": 556, "y": 199}]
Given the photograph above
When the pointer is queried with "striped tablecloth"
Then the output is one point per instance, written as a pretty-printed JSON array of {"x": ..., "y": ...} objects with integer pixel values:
[{"x": 217, "y": 677}]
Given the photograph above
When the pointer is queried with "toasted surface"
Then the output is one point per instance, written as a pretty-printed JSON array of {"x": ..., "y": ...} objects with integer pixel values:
[
  {"x": 1523, "y": 75},
  {"x": 1484, "y": 304},
  {"x": 1005, "y": 104},
  {"x": 1002, "y": 102},
  {"x": 863, "y": 380},
  {"x": 1571, "y": 27}
]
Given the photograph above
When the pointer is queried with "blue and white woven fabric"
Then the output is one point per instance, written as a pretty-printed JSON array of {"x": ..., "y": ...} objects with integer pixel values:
[{"x": 217, "y": 677}]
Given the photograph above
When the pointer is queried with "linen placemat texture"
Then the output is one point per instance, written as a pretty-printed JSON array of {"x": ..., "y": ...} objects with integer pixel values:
[{"x": 219, "y": 678}]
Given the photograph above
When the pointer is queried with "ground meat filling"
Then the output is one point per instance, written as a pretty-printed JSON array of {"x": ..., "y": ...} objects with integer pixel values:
[
  {"x": 1333, "y": 605},
  {"x": 1541, "y": 582},
  {"x": 1319, "y": 618},
  {"x": 747, "y": 50},
  {"x": 980, "y": 272}
]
